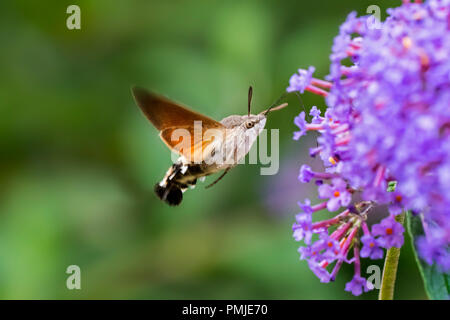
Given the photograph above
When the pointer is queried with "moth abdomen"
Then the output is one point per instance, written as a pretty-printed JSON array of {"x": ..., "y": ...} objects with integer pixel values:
[
  {"x": 178, "y": 178},
  {"x": 171, "y": 193}
]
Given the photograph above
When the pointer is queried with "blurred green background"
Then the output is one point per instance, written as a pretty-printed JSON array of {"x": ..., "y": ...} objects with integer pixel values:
[{"x": 79, "y": 161}]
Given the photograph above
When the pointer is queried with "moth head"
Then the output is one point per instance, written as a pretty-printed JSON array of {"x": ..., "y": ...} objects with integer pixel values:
[
  {"x": 254, "y": 122},
  {"x": 249, "y": 124}
]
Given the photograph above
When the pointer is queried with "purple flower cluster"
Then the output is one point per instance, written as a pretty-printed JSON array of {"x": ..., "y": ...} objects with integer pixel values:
[{"x": 388, "y": 120}]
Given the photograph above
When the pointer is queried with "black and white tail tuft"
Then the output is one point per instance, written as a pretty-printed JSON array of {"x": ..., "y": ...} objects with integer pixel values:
[{"x": 171, "y": 193}]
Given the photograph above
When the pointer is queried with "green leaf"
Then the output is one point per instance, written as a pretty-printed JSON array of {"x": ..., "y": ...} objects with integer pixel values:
[
  {"x": 437, "y": 284},
  {"x": 391, "y": 186}
]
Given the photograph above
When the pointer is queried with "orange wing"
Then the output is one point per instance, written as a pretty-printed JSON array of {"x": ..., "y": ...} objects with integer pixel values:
[{"x": 176, "y": 124}]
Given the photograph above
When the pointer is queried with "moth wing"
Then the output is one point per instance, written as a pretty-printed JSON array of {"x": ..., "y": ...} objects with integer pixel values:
[
  {"x": 164, "y": 113},
  {"x": 194, "y": 146},
  {"x": 175, "y": 121}
]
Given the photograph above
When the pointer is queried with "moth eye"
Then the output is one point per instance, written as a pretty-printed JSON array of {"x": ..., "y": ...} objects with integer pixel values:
[{"x": 249, "y": 124}]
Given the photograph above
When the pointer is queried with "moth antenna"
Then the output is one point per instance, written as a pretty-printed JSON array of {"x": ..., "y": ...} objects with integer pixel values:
[
  {"x": 219, "y": 178},
  {"x": 250, "y": 94},
  {"x": 281, "y": 106},
  {"x": 276, "y": 105}
]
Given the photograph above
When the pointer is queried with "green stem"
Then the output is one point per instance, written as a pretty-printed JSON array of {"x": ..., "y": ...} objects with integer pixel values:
[{"x": 390, "y": 268}]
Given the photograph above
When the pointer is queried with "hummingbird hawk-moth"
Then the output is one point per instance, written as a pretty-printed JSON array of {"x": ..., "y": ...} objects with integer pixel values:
[{"x": 205, "y": 146}]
